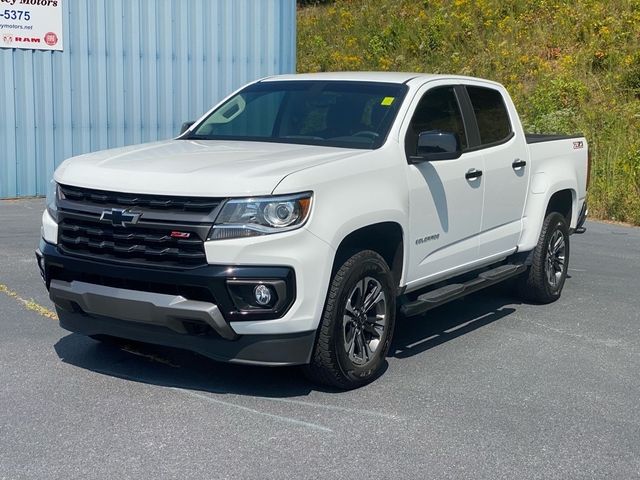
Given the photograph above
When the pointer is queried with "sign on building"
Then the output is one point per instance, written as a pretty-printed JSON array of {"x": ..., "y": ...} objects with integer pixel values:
[{"x": 31, "y": 24}]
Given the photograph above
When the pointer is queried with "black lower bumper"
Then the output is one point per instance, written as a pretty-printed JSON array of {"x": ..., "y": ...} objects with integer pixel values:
[
  {"x": 270, "y": 350},
  {"x": 209, "y": 283},
  {"x": 197, "y": 316}
]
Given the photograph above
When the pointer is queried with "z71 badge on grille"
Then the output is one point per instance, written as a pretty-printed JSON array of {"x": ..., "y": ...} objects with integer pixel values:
[{"x": 119, "y": 217}]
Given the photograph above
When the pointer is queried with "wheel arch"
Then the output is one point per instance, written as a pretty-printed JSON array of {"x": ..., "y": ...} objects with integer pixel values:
[
  {"x": 385, "y": 238},
  {"x": 564, "y": 202},
  {"x": 562, "y": 198}
]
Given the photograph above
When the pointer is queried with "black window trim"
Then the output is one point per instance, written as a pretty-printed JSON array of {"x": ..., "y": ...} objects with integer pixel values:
[
  {"x": 468, "y": 117},
  {"x": 469, "y": 111},
  {"x": 492, "y": 144}
]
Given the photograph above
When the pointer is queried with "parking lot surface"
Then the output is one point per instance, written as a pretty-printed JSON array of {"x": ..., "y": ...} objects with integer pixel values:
[{"x": 486, "y": 387}]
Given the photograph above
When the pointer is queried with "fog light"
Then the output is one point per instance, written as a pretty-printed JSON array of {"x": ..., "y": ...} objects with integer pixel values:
[
  {"x": 262, "y": 294},
  {"x": 258, "y": 295}
]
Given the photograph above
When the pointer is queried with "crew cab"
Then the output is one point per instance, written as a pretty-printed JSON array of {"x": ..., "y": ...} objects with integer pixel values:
[{"x": 294, "y": 221}]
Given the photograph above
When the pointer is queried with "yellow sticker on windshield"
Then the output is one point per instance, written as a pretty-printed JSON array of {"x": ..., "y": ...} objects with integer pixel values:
[{"x": 386, "y": 101}]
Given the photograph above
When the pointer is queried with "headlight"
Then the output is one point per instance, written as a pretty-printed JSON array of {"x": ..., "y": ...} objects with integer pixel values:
[
  {"x": 52, "y": 200},
  {"x": 249, "y": 217}
]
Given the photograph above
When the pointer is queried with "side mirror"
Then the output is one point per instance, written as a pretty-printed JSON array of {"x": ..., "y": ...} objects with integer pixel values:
[
  {"x": 186, "y": 126},
  {"x": 437, "y": 145}
]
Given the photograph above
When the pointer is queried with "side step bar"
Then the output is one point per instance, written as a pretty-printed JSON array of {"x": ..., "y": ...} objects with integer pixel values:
[{"x": 445, "y": 294}]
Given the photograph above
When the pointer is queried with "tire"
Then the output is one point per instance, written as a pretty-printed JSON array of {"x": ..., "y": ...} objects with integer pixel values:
[
  {"x": 544, "y": 279},
  {"x": 356, "y": 329}
]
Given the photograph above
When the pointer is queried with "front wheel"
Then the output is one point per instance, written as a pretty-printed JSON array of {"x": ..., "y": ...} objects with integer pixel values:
[
  {"x": 357, "y": 324},
  {"x": 544, "y": 279}
]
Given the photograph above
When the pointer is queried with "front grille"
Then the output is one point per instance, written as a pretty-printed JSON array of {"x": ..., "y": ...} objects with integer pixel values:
[
  {"x": 128, "y": 200},
  {"x": 148, "y": 241},
  {"x": 129, "y": 243}
]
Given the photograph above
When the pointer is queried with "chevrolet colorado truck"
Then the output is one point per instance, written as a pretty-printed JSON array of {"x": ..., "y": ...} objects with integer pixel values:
[{"x": 296, "y": 219}]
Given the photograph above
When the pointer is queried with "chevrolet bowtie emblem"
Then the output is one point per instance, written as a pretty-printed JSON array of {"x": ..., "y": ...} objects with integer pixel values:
[{"x": 119, "y": 217}]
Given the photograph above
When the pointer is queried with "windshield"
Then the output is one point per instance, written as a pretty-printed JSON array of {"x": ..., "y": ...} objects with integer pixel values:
[{"x": 332, "y": 113}]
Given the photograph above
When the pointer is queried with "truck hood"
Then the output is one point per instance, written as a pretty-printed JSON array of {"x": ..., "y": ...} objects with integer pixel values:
[{"x": 196, "y": 168}]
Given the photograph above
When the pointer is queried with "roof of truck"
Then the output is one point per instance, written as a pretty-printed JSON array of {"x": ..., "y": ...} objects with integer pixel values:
[{"x": 388, "y": 77}]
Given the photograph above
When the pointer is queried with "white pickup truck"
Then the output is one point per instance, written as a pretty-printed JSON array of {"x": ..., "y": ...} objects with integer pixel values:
[{"x": 295, "y": 220}]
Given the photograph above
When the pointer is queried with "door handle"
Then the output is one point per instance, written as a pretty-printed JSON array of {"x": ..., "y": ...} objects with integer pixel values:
[
  {"x": 473, "y": 174},
  {"x": 517, "y": 163}
]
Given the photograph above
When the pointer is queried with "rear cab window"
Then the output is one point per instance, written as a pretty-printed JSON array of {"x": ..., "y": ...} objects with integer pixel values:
[{"x": 491, "y": 114}]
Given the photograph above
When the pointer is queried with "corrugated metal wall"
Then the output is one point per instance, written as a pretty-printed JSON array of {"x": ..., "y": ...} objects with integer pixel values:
[{"x": 132, "y": 71}]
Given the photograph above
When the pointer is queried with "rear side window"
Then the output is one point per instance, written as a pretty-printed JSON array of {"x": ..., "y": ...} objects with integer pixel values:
[{"x": 491, "y": 114}]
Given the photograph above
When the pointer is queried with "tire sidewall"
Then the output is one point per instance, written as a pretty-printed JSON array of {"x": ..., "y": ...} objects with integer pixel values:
[
  {"x": 375, "y": 268},
  {"x": 556, "y": 222}
]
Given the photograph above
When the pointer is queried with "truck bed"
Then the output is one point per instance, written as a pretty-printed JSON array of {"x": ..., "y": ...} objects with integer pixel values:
[
  {"x": 554, "y": 153},
  {"x": 543, "y": 137}
]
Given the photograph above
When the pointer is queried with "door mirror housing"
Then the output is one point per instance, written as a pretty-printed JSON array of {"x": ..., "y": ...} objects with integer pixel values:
[
  {"x": 436, "y": 145},
  {"x": 186, "y": 126}
]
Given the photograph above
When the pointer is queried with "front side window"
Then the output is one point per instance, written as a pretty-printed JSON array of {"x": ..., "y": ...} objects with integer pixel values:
[
  {"x": 332, "y": 113},
  {"x": 438, "y": 110},
  {"x": 491, "y": 114}
]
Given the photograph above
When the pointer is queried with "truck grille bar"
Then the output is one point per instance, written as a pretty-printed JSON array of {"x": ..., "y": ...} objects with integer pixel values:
[
  {"x": 127, "y": 200},
  {"x": 170, "y": 232}
]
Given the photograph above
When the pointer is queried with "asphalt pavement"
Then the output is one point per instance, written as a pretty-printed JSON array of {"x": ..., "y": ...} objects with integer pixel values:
[{"x": 485, "y": 387}]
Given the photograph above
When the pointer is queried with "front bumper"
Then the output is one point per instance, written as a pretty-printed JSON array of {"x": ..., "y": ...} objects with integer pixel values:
[
  {"x": 269, "y": 350},
  {"x": 190, "y": 308},
  {"x": 208, "y": 283},
  {"x": 170, "y": 311}
]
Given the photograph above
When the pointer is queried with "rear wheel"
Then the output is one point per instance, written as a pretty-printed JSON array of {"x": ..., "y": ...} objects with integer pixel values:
[
  {"x": 544, "y": 280},
  {"x": 357, "y": 324}
]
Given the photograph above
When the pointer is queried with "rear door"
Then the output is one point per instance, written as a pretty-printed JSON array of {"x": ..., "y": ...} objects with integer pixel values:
[
  {"x": 506, "y": 170},
  {"x": 445, "y": 202}
]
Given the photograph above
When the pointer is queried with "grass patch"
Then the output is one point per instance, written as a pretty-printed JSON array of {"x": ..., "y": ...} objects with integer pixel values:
[
  {"x": 29, "y": 304},
  {"x": 570, "y": 66}
]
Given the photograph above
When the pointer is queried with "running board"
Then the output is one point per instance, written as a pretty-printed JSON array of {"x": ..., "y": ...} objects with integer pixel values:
[{"x": 445, "y": 294}]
